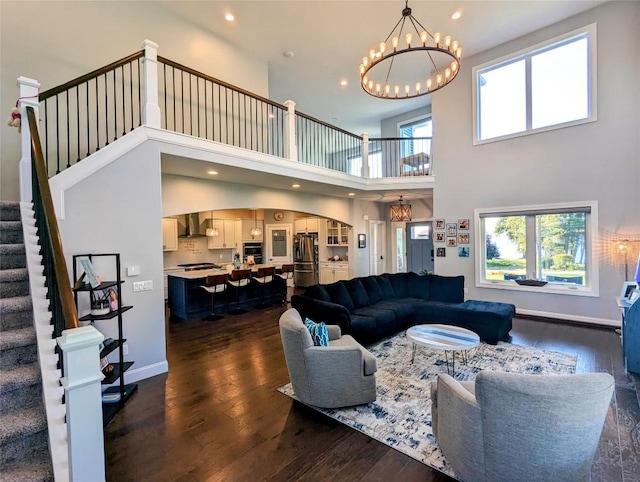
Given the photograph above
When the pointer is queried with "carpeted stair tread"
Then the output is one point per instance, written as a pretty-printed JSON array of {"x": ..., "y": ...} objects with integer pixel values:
[
  {"x": 11, "y": 232},
  {"x": 22, "y": 423},
  {"x": 36, "y": 468},
  {"x": 19, "y": 377},
  {"x": 15, "y": 304},
  {"x": 14, "y": 282},
  {"x": 12, "y": 256},
  {"x": 9, "y": 211},
  {"x": 16, "y": 338}
]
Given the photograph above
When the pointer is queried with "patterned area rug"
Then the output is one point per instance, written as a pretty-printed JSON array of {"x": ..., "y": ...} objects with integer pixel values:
[{"x": 401, "y": 415}]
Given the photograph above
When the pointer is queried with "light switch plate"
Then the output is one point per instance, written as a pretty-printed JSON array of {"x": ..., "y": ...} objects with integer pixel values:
[{"x": 133, "y": 270}]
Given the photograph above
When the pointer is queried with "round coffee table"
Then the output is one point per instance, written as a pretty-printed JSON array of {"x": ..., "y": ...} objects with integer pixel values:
[{"x": 443, "y": 337}]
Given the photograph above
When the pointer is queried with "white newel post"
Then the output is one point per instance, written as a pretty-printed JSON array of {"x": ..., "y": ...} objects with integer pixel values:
[
  {"x": 28, "y": 89},
  {"x": 290, "y": 149},
  {"x": 150, "y": 108},
  {"x": 365, "y": 156},
  {"x": 83, "y": 396}
]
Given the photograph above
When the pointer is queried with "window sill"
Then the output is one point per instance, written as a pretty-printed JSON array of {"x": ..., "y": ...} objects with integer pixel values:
[{"x": 548, "y": 289}]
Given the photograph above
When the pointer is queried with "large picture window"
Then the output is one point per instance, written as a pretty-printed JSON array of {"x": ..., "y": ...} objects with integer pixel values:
[
  {"x": 547, "y": 86},
  {"x": 553, "y": 244}
]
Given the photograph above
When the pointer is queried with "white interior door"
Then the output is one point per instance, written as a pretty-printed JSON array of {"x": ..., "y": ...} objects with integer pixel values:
[
  {"x": 278, "y": 243},
  {"x": 377, "y": 246}
]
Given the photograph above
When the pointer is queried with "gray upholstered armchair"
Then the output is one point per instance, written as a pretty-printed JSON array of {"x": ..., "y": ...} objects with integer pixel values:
[
  {"x": 339, "y": 375},
  {"x": 515, "y": 427}
]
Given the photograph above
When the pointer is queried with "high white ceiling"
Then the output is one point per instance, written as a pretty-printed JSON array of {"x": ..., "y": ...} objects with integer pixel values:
[{"x": 329, "y": 39}]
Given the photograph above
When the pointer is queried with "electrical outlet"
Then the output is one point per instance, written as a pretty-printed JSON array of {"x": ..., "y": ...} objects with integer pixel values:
[
  {"x": 137, "y": 286},
  {"x": 143, "y": 285},
  {"x": 466, "y": 291},
  {"x": 221, "y": 256}
]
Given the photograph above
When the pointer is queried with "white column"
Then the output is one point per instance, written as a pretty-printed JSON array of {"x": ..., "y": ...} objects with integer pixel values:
[
  {"x": 81, "y": 383},
  {"x": 365, "y": 156},
  {"x": 290, "y": 148},
  {"x": 28, "y": 97},
  {"x": 150, "y": 107}
]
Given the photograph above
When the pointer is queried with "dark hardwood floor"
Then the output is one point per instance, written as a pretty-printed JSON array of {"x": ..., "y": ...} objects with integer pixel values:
[{"x": 218, "y": 416}]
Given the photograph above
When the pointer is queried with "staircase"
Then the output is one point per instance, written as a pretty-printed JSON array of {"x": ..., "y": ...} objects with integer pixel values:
[{"x": 24, "y": 439}]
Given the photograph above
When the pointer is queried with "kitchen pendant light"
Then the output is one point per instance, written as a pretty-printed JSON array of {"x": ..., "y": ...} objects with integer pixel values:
[
  {"x": 256, "y": 231},
  {"x": 212, "y": 231}
]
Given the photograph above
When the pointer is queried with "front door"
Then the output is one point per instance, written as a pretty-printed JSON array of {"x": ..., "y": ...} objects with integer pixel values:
[
  {"x": 278, "y": 244},
  {"x": 419, "y": 247}
]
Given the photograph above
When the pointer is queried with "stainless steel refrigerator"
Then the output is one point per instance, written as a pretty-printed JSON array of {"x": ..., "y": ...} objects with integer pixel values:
[{"x": 305, "y": 260}]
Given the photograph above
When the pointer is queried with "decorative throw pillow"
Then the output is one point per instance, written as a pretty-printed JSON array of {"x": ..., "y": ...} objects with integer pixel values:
[{"x": 319, "y": 333}]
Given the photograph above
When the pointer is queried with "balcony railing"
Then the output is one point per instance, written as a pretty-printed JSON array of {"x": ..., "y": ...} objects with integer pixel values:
[{"x": 86, "y": 114}]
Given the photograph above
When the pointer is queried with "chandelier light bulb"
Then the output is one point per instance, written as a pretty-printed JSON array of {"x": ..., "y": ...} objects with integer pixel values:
[
  {"x": 370, "y": 84},
  {"x": 361, "y": 69},
  {"x": 423, "y": 38},
  {"x": 394, "y": 42},
  {"x": 365, "y": 61},
  {"x": 439, "y": 79},
  {"x": 387, "y": 88},
  {"x": 397, "y": 89},
  {"x": 378, "y": 87},
  {"x": 447, "y": 41},
  {"x": 447, "y": 74},
  {"x": 406, "y": 89},
  {"x": 454, "y": 67},
  {"x": 454, "y": 45},
  {"x": 459, "y": 53},
  {"x": 429, "y": 82},
  {"x": 417, "y": 87},
  {"x": 383, "y": 47},
  {"x": 436, "y": 38},
  {"x": 365, "y": 80},
  {"x": 408, "y": 38},
  {"x": 372, "y": 54}
]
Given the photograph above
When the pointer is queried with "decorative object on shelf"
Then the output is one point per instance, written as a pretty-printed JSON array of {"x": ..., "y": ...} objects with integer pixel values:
[
  {"x": 362, "y": 240},
  {"x": 442, "y": 62},
  {"x": 530, "y": 282},
  {"x": 256, "y": 231},
  {"x": 236, "y": 260},
  {"x": 400, "y": 211},
  {"x": 89, "y": 272},
  {"x": 627, "y": 290},
  {"x": 278, "y": 215},
  {"x": 212, "y": 231},
  {"x": 100, "y": 303}
]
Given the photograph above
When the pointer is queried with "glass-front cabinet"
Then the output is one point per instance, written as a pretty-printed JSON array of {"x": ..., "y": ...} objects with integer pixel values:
[{"x": 337, "y": 233}]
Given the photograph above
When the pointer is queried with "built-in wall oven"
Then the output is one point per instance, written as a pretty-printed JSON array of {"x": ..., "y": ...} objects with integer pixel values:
[{"x": 252, "y": 249}]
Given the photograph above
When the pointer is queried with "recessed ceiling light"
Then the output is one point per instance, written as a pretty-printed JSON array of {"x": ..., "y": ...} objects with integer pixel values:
[
  {"x": 352, "y": 194},
  {"x": 229, "y": 17},
  {"x": 296, "y": 186},
  {"x": 288, "y": 53},
  {"x": 456, "y": 15},
  {"x": 343, "y": 83},
  {"x": 213, "y": 173}
]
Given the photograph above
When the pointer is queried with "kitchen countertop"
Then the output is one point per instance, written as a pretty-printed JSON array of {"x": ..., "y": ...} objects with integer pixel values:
[{"x": 203, "y": 273}]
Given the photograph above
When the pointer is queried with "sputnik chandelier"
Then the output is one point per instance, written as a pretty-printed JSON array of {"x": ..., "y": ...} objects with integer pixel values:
[{"x": 410, "y": 80}]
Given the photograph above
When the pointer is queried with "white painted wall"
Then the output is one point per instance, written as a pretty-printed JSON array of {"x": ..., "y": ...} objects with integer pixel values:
[
  {"x": 596, "y": 161},
  {"x": 118, "y": 209},
  {"x": 94, "y": 34}
]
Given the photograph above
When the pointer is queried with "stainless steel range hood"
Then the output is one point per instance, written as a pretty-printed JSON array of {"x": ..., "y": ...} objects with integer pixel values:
[{"x": 192, "y": 225}]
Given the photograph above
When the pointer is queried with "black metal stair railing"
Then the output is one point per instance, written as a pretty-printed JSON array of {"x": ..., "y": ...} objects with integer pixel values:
[
  {"x": 83, "y": 115},
  {"x": 200, "y": 105}
]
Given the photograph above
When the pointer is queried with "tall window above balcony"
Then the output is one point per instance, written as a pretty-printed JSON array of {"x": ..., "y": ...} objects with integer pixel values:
[
  {"x": 548, "y": 86},
  {"x": 411, "y": 130}
]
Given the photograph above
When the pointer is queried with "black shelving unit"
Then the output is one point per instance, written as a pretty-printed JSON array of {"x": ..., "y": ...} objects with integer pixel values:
[{"x": 109, "y": 408}]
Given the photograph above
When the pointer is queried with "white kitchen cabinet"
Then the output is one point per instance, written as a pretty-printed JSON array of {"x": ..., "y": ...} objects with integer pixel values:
[
  {"x": 247, "y": 226},
  {"x": 226, "y": 238},
  {"x": 332, "y": 272},
  {"x": 306, "y": 225},
  {"x": 169, "y": 234},
  {"x": 337, "y": 233}
]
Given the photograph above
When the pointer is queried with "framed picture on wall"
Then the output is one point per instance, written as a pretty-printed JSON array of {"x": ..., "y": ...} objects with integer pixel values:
[
  {"x": 463, "y": 252},
  {"x": 627, "y": 290},
  {"x": 438, "y": 224},
  {"x": 441, "y": 252},
  {"x": 451, "y": 241},
  {"x": 463, "y": 238},
  {"x": 440, "y": 237},
  {"x": 362, "y": 240},
  {"x": 452, "y": 229},
  {"x": 463, "y": 224}
]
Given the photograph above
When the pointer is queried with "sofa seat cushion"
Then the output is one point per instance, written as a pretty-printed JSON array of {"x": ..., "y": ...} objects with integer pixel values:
[
  {"x": 363, "y": 328},
  {"x": 436, "y": 312},
  {"x": 402, "y": 308},
  {"x": 501, "y": 309}
]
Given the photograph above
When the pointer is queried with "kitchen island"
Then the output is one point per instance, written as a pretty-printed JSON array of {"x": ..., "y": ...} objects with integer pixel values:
[{"x": 188, "y": 300}]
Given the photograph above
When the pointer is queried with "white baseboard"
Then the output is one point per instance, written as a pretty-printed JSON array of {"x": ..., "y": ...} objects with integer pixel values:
[
  {"x": 577, "y": 318},
  {"x": 148, "y": 371}
]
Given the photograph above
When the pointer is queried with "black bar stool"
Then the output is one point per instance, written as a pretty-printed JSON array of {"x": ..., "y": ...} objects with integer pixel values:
[
  {"x": 215, "y": 284},
  {"x": 239, "y": 279},
  {"x": 264, "y": 279},
  {"x": 286, "y": 273}
]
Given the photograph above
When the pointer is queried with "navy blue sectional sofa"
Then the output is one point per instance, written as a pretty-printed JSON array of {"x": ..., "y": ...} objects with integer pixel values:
[{"x": 373, "y": 307}]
